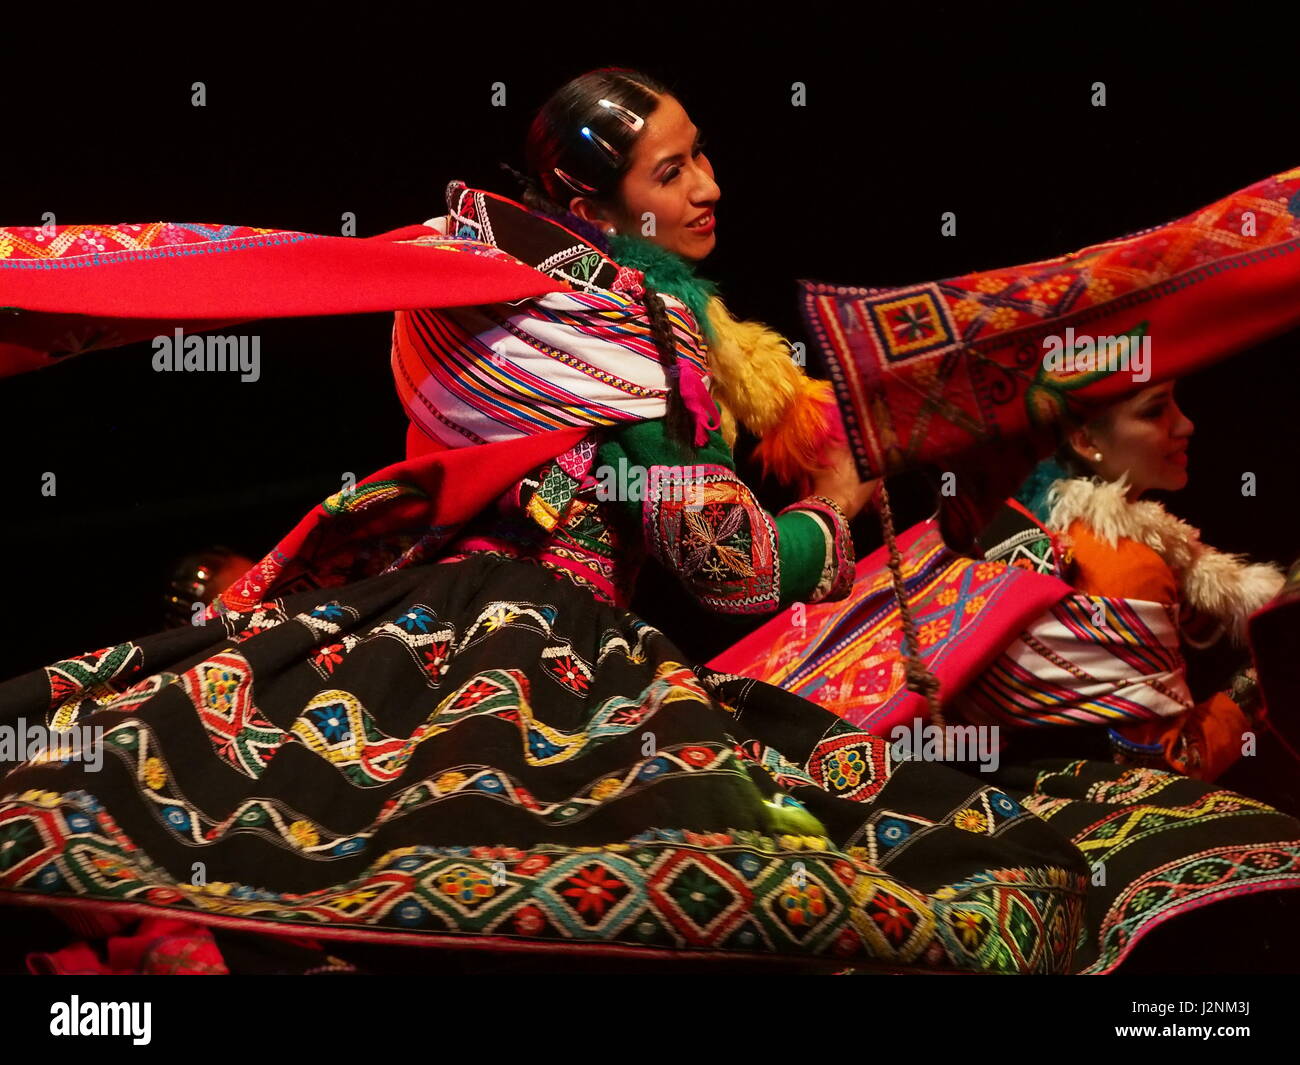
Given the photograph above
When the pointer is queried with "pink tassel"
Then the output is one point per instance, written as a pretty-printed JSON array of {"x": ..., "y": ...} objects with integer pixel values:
[{"x": 695, "y": 395}]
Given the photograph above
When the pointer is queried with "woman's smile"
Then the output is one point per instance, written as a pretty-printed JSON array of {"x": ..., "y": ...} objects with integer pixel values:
[{"x": 704, "y": 224}]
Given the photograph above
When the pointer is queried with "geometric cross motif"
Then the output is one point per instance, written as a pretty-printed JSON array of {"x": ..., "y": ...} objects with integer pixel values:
[
  {"x": 910, "y": 322},
  {"x": 702, "y": 897}
]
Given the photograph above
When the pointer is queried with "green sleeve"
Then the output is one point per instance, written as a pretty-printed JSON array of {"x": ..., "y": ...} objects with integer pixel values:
[{"x": 801, "y": 539}]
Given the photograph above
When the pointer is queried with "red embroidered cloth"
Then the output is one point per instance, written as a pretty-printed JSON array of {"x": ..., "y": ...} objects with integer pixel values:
[
  {"x": 924, "y": 373},
  {"x": 844, "y": 655}
]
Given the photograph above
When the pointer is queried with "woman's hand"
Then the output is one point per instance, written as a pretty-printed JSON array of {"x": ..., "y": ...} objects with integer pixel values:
[{"x": 840, "y": 481}]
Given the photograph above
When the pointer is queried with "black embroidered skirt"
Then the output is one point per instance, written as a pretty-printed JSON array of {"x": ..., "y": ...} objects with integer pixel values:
[{"x": 477, "y": 754}]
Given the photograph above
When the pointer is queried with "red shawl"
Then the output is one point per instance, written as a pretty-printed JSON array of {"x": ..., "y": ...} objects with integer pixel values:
[
  {"x": 65, "y": 290},
  {"x": 930, "y": 372}
]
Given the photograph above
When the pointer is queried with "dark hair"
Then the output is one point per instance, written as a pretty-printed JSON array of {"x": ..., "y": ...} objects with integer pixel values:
[
  {"x": 1090, "y": 416},
  {"x": 555, "y": 140}
]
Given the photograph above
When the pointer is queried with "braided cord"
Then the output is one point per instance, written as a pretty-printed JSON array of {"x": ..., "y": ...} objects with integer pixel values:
[{"x": 919, "y": 677}]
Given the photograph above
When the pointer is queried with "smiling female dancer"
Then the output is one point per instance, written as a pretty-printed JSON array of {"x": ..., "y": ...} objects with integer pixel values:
[{"x": 409, "y": 724}]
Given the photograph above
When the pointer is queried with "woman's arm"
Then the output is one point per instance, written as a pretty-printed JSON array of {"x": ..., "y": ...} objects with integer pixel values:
[{"x": 704, "y": 524}]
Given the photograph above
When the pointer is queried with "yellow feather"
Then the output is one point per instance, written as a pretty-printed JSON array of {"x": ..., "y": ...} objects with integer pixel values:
[{"x": 756, "y": 381}]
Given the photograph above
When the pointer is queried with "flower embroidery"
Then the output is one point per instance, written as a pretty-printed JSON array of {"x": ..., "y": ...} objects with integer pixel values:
[
  {"x": 703, "y": 540},
  {"x": 803, "y": 906},
  {"x": 529, "y": 921},
  {"x": 417, "y": 619},
  {"x": 568, "y": 672},
  {"x": 449, "y": 782},
  {"x": 846, "y": 769},
  {"x": 466, "y": 885},
  {"x": 329, "y": 657},
  {"x": 592, "y": 890},
  {"x": 605, "y": 788},
  {"x": 970, "y": 927},
  {"x": 933, "y": 631},
  {"x": 894, "y": 919},
  {"x": 1003, "y": 318}
]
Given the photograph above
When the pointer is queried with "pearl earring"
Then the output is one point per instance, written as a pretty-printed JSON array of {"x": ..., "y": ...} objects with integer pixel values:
[
  {"x": 610, "y": 230},
  {"x": 1096, "y": 456}
]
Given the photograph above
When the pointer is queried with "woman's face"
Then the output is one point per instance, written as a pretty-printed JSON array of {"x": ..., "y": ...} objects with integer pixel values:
[
  {"x": 1145, "y": 436},
  {"x": 670, "y": 180}
]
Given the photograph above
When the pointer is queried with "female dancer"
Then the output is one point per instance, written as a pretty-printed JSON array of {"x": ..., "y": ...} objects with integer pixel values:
[
  {"x": 1081, "y": 515},
  {"x": 446, "y": 732}
]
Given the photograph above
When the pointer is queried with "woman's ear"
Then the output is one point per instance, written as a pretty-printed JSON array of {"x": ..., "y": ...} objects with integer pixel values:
[
  {"x": 1081, "y": 443},
  {"x": 587, "y": 209}
]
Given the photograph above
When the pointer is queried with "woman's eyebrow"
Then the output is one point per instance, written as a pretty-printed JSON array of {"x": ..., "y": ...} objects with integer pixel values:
[{"x": 678, "y": 155}]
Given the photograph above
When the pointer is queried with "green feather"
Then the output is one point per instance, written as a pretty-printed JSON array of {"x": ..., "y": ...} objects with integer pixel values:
[
  {"x": 1032, "y": 495},
  {"x": 667, "y": 272}
]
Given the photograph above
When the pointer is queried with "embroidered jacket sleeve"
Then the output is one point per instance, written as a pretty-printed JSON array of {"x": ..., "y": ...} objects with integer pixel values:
[{"x": 703, "y": 523}]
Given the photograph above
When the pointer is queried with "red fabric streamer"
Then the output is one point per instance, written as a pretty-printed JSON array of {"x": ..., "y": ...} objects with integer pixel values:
[{"x": 924, "y": 373}]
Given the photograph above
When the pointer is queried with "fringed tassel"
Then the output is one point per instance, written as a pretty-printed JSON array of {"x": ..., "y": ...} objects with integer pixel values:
[{"x": 756, "y": 381}]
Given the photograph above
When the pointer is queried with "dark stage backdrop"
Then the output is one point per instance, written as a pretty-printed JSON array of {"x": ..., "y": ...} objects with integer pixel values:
[{"x": 907, "y": 116}]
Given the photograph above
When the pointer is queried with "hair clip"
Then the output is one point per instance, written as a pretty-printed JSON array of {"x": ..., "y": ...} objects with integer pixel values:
[
  {"x": 573, "y": 183},
  {"x": 615, "y": 157},
  {"x": 631, "y": 119}
]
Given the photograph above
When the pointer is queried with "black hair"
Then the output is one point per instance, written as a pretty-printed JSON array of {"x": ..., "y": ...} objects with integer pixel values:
[{"x": 555, "y": 139}]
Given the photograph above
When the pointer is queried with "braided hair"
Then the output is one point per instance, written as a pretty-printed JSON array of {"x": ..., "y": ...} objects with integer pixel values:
[{"x": 555, "y": 143}]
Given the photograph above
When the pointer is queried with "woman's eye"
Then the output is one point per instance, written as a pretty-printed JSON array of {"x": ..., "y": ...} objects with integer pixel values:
[{"x": 673, "y": 171}]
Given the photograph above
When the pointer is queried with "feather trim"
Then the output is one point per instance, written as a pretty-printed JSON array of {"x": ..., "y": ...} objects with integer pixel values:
[
  {"x": 753, "y": 378},
  {"x": 756, "y": 381},
  {"x": 1225, "y": 586}
]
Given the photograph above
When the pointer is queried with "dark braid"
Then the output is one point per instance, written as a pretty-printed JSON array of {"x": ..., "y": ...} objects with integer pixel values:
[
  {"x": 919, "y": 677},
  {"x": 678, "y": 421},
  {"x": 531, "y": 194}
]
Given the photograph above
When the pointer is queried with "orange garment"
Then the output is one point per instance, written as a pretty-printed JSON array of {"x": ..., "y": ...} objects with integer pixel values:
[
  {"x": 1201, "y": 743},
  {"x": 1129, "y": 570},
  {"x": 1205, "y": 740}
]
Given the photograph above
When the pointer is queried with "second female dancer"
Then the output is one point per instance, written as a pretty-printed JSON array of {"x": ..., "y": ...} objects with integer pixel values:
[{"x": 450, "y": 733}]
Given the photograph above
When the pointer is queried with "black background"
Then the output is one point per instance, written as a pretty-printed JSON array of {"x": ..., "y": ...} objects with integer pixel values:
[{"x": 909, "y": 114}]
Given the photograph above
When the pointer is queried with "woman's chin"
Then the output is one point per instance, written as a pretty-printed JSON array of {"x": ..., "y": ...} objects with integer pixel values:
[
  {"x": 696, "y": 248},
  {"x": 1176, "y": 481}
]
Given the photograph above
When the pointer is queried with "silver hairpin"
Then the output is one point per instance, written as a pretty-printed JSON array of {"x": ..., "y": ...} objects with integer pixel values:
[
  {"x": 631, "y": 119},
  {"x": 577, "y": 186},
  {"x": 613, "y": 154}
]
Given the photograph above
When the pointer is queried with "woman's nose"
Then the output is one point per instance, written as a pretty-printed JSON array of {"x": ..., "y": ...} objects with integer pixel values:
[{"x": 706, "y": 189}]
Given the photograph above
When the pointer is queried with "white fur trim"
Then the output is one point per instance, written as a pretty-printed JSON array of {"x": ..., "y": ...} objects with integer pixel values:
[{"x": 1225, "y": 586}]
